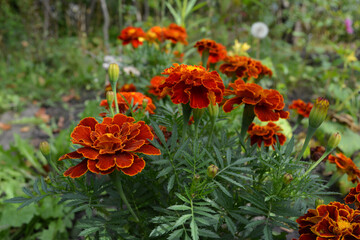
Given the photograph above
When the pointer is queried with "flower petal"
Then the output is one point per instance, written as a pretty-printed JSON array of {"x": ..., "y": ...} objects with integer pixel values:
[
  {"x": 124, "y": 159},
  {"x": 106, "y": 161},
  {"x": 145, "y": 132},
  {"x": 87, "y": 152},
  {"x": 81, "y": 135},
  {"x": 137, "y": 166},
  {"x": 77, "y": 170},
  {"x": 229, "y": 104},
  {"x": 265, "y": 114},
  {"x": 120, "y": 119},
  {"x": 72, "y": 155},
  {"x": 89, "y": 122},
  {"x": 149, "y": 150},
  {"x": 133, "y": 145},
  {"x": 199, "y": 97},
  {"x": 91, "y": 165}
]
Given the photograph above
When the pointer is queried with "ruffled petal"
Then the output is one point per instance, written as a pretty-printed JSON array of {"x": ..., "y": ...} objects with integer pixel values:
[
  {"x": 133, "y": 145},
  {"x": 120, "y": 119},
  {"x": 89, "y": 122},
  {"x": 77, "y": 170},
  {"x": 124, "y": 159},
  {"x": 149, "y": 150},
  {"x": 145, "y": 132},
  {"x": 72, "y": 155},
  {"x": 81, "y": 135},
  {"x": 178, "y": 93},
  {"x": 91, "y": 165},
  {"x": 87, "y": 152},
  {"x": 107, "y": 120},
  {"x": 265, "y": 114},
  {"x": 105, "y": 162},
  {"x": 199, "y": 97},
  {"x": 137, "y": 166},
  {"x": 284, "y": 114},
  {"x": 229, "y": 104}
]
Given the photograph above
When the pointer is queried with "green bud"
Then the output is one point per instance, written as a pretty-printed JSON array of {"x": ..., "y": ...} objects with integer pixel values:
[
  {"x": 287, "y": 178},
  {"x": 197, "y": 177},
  {"x": 110, "y": 97},
  {"x": 213, "y": 110},
  {"x": 318, "y": 112},
  {"x": 114, "y": 72},
  {"x": 212, "y": 170},
  {"x": 319, "y": 202},
  {"x": 45, "y": 148},
  {"x": 334, "y": 140},
  {"x": 145, "y": 103},
  {"x": 197, "y": 113}
]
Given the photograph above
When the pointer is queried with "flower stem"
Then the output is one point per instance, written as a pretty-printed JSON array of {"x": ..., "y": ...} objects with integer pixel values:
[
  {"x": 113, "y": 86},
  {"x": 186, "y": 116},
  {"x": 248, "y": 117},
  {"x": 327, "y": 152},
  {"x": 204, "y": 57},
  {"x": 309, "y": 135},
  {"x": 117, "y": 182}
]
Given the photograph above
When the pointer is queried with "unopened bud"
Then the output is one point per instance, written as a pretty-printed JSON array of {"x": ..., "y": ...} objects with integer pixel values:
[
  {"x": 197, "y": 113},
  {"x": 145, "y": 103},
  {"x": 114, "y": 72},
  {"x": 196, "y": 177},
  {"x": 213, "y": 110},
  {"x": 45, "y": 148},
  {"x": 334, "y": 140},
  {"x": 319, "y": 202},
  {"x": 318, "y": 112},
  {"x": 287, "y": 178},
  {"x": 212, "y": 170},
  {"x": 110, "y": 97}
]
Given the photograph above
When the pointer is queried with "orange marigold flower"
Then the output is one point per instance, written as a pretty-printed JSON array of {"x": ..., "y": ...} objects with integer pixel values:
[
  {"x": 156, "y": 34},
  {"x": 354, "y": 196},
  {"x": 112, "y": 144},
  {"x": 176, "y": 33},
  {"x": 334, "y": 221},
  {"x": 194, "y": 84},
  {"x": 136, "y": 97},
  {"x": 179, "y": 57},
  {"x": 128, "y": 88},
  {"x": 266, "y": 134},
  {"x": 268, "y": 103},
  {"x": 132, "y": 35},
  {"x": 301, "y": 107},
  {"x": 243, "y": 67},
  {"x": 217, "y": 51},
  {"x": 154, "y": 87},
  {"x": 346, "y": 165}
]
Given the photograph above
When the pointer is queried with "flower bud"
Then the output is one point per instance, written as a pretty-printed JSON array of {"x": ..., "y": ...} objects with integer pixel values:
[
  {"x": 212, "y": 170},
  {"x": 196, "y": 177},
  {"x": 145, "y": 103},
  {"x": 45, "y": 148},
  {"x": 334, "y": 140},
  {"x": 213, "y": 110},
  {"x": 110, "y": 97},
  {"x": 197, "y": 113},
  {"x": 319, "y": 202},
  {"x": 318, "y": 112},
  {"x": 114, "y": 72},
  {"x": 287, "y": 178}
]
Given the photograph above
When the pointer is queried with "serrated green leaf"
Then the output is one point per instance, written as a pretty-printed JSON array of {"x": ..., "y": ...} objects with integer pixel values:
[
  {"x": 231, "y": 225},
  {"x": 174, "y": 137},
  {"x": 179, "y": 207},
  {"x": 181, "y": 220},
  {"x": 89, "y": 231},
  {"x": 180, "y": 150},
  {"x": 27, "y": 192},
  {"x": 164, "y": 172},
  {"x": 31, "y": 200},
  {"x": 253, "y": 210},
  {"x": 207, "y": 233},
  {"x": 16, "y": 200},
  {"x": 158, "y": 132},
  {"x": 254, "y": 223},
  {"x": 36, "y": 188},
  {"x": 176, "y": 234},
  {"x": 161, "y": 230},
  {"x": 223, "y": 189},
  {"x": 43, "y": 185},
  {"x": 184, "y": 199},
  {"x": 267, "y": 233},
  {"x": 194, "y": 230},
  {"x": 171, "y": 183},
  {"x": 231, "y": 181}
]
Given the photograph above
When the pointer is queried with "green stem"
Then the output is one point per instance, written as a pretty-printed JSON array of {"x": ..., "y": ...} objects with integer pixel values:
[
  {"x": 309, "y": 135},
  {"x": 334, "y": 178},
  {"x": 327, "y": 152},
  {"x": 186, "y": 116},
  {"x": 113, "y": 86},
  {"x": 213, "y": 121},
  {"x": 248, "y": 117},
  {"x": 117, "y": 182},
  {"x": 204, "y": 57}
]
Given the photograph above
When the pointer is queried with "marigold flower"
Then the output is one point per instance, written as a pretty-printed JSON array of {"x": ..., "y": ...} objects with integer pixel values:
[
  {"x": 266, "y": 134},
  {"x": 354, "y": 196},
  {"x": 334, "y": 221},
  {"x": 136, "y": 97},
  {"x": 112, "y": 144},
  {"x": 176, "y": 33},
  {"x": 346, "y": 165},
  {"x": 268, "y": 103},
  {"x": 156, "y": 34},
  {"x": 194, "y": 84},
  {"x": 217, "y": 51},
  {"x": 301, "y": 107},
  {"x": 133, "y": 35},
  {"x": 154, "y": 87},
  {"x": 128, "y": 87},
  {"x": 243, "y": 67}
]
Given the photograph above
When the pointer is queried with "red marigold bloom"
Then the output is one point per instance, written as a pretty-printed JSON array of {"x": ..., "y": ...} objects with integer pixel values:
[
  {"x": 346, "y": 165},
  {"x": 128, "y": 88},
  {"x": 268, "y": 103},
  {"x": 301, "y": 107},
  {"x": 135, "y": 97},
  {"x": 154, "y": 87},
  {"x": 194, "y": 84},
  {"x": 334, "y": 221},
  {"x": 156, "y": 34},
  {"x": 217, "y": 51},
  {"x": 176, "y": 33},
  {"x": 112, "y": 144},
  {"x": 132, "y": 35},
  {"x": 354, "y": 196},
  {"x": 242, "y": 66},
  {"x": 266, "y": 134}
]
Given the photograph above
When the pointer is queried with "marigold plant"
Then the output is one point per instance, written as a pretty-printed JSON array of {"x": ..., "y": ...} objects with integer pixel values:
[
  {"x": 346, "y": 165},
  {"x": 217, "y": 51},
  {"x": 353, "y": 196},
  {"x": 301, "y": 107},
  {"x": 266, "y": 134},
  {"x": 194, "y": 85},
  {"x": 334, "y": 221},
  {"x": 132, "y": 35},
  {"x": 136, "y": 98},
  {"x": 112, "y": 144}
]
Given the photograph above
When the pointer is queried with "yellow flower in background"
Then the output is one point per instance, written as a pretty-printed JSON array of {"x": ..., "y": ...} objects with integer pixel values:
[
  {"x": 239, "y": 48},
  {"x": 351, "y": 58}
]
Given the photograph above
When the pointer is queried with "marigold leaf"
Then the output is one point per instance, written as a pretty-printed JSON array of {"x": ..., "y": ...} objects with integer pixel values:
[
  {"x": 223, "y": 189},
  {"x": 89, "y": 231},
  {"x": 43, "y": 185},
  {"x": 36, "y": 188},
  {"x": 27, "y": 192},
  {"x": 182, "y": 198},
  {"x": 179, "y": 151},
  {"x": 181, "y": 220},
  {"x": 267, "y": 233},
  {"x": 161, "y": 229},
  {"x": 179, "y": 207},
  {"x": 16, "y": 200},
  {"x": 231, "y": 181},
  {"x": 174, "y": 137},
  {"x": 253, "y": 224},
  {"x": 158, "y": 132},
  {"x": 176, "y": 234},
  {"x": 164, "y": 171},
  {"x": 231, "y": 225},
  {"x": 171, "y": 183},
  {"x": 194, "y": 230},
  {"x": 207, "y": 233},
  {"x": 253, "y": 210}
]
